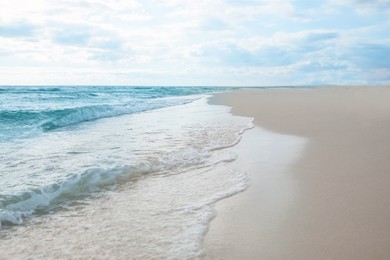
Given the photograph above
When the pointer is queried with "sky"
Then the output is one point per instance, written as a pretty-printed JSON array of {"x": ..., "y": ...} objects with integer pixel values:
[{"x": 194, "y": 42}]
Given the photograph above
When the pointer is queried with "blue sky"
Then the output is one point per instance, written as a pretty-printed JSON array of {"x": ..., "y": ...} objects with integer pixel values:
[{"x": 194, "y": 42}]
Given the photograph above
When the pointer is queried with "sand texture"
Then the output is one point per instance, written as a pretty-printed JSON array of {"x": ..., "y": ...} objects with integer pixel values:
[{"x": 333, "y": 201}]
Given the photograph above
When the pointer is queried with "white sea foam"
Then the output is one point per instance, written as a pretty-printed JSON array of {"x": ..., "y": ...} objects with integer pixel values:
[{"x": 160, "y": 172}]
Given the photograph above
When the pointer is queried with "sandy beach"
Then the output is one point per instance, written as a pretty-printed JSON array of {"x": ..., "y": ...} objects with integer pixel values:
[{"x": 333, "y": 200}]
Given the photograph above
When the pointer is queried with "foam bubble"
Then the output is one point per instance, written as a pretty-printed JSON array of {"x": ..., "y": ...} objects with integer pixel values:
[{"x": 160, "y": 173}]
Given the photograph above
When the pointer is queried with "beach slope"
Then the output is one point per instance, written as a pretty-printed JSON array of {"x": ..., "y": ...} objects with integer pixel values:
[{"x": 338, "y": 204}]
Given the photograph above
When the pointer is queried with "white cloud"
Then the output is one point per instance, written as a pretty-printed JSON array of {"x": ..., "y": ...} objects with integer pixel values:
[
  {"x": 365, "y": 7},
  {"x": 189, "y": 42}
]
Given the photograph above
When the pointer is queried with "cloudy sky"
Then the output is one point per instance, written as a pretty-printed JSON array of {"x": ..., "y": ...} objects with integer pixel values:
[{"x": 194, "y": 42}]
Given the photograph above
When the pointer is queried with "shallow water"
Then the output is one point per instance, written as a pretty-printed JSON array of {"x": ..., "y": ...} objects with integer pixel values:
[
  {"x": 88, "y": 147},
  {"x": 139, "y": 185}
]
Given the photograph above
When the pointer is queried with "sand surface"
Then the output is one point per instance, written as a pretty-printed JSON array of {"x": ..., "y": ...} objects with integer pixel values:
[{"x": 333, "y": 202}]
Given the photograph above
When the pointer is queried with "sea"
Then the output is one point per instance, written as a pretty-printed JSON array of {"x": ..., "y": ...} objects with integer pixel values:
[{"x": 113, "y": 172}]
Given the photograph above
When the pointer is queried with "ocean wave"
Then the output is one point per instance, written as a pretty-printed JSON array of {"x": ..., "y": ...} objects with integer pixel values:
[
  {"x": 72, "y": 116},
  {"x": 13, "y": 117},
  {"x": 23, "y": 90},
  {"x": 48, "y": 89},
  {"x": 15, "y": 208},
  {"x": 47, "y": 120}
]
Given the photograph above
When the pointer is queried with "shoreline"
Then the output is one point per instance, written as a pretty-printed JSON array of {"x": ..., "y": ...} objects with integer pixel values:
[
  {"x": 158, "y": 198},
  {"x": 339, "y": 204}
]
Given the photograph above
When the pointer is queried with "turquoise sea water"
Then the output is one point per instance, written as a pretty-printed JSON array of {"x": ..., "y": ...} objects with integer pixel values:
[
  {"x": 135, "y": 170},
  {"x": 30, "y": 111},
  {"x": 118, "y": 172},
  {"x": 60, "y": 145}
]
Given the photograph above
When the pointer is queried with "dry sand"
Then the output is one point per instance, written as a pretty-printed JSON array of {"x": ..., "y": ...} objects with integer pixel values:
[{"x": 339, "y": 206}]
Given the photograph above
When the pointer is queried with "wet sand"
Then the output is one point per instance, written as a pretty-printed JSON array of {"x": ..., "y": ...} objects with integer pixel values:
[{"x": 333, "y": 201}]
